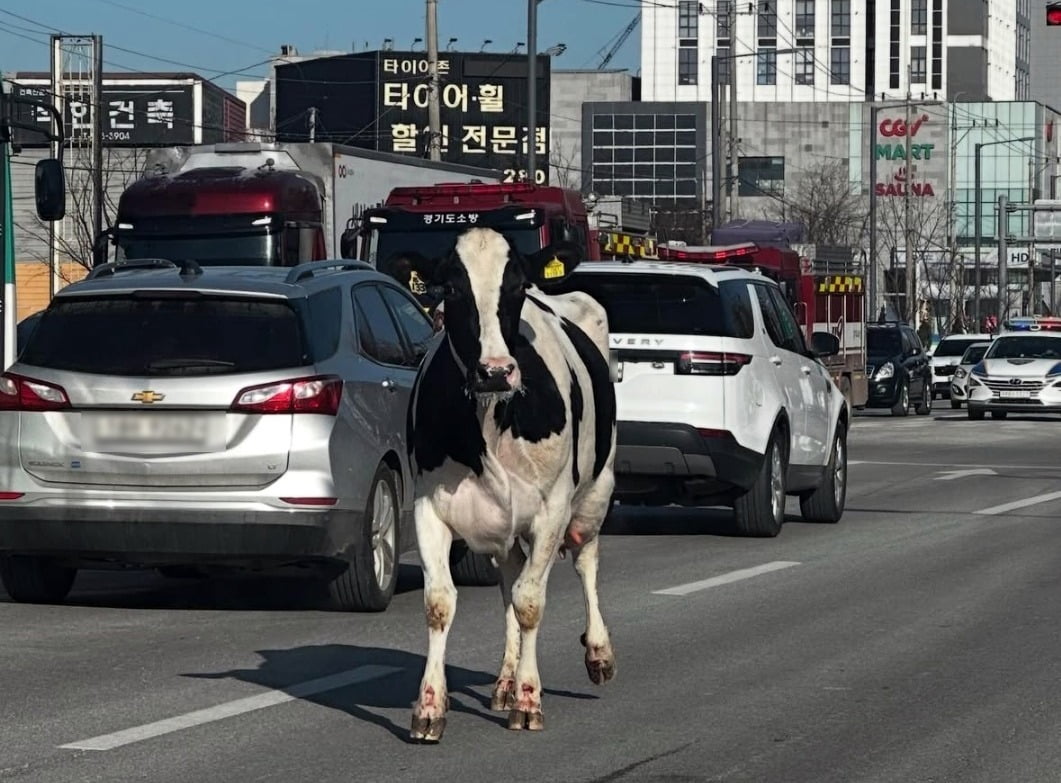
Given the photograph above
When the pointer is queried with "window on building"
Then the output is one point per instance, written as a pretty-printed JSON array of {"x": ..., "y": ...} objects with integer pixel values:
[
  {"x": 724, "y": 64},
  {"x": 918, "y": 65},
  {"x": 804, "y": 18},
  {"x": 688, "y": 19},
  {"x": 766, "y": 67},
  {"x": 937, "y": 44},
  {"x": 761, "y": 176},
  {"x": 919, "y": 17},
  {"x": 840, "y": 65},
  {"x": 895, "y": 44},
  {"x": 804, "y": 66},
  {"x": 841, "y": 18},
  {"x": 767, "y": 18},
  {"x": 722, "y": 12},
  {"x": 687, "y": 65}
]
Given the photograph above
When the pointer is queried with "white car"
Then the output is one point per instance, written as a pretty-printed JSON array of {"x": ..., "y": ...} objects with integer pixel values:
[
  {"x": 960, "y": 379},
  {"x": 720, "y": 402},
  {"x": 946, "y": 357},
  {"x": 1020, "y": 372}
]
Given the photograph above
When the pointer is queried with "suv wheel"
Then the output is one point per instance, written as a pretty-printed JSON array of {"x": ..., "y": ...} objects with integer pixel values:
[
  {"x": 367, "y": 584},
  {"x": 826, "y": 503},
  {"x": 925, "y": 406},
  {"x": 955, "y": 404},
  {"x": 470, "y": 569},
  {"x": 902, "y": 404},
  {"x": 36, "y": 580},
  {"x": 761, "y": 510}
]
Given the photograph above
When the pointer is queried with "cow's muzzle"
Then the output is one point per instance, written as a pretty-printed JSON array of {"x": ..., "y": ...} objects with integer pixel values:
[{"x": 496, "y": 376}]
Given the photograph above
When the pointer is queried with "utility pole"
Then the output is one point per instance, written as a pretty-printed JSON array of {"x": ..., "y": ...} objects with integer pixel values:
[
  {"x": 434, "y": 116},
  {"x": 716, "y": 144},
  {"x": 1003, "y": 259},
  {"x": 911, "y": 263},
  {"x": 732, "y": 22},
  {"x": 312, "y": 124},
  {"x": 532, "y": 89}
]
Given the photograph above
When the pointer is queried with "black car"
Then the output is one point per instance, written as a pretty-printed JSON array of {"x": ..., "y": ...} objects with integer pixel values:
[{"x": 898, "y": 369}]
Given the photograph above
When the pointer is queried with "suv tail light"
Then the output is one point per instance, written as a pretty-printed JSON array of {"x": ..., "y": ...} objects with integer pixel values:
[
  {"x": 708, "y": 363},
  {"x": 319, "y": 394},
  {"x": 18, "y": 393}
]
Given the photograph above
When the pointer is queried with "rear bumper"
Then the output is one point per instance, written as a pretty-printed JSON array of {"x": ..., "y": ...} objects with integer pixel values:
[
  {"x": 185, "y": 536},
  {"x": 667, "y": 462}
]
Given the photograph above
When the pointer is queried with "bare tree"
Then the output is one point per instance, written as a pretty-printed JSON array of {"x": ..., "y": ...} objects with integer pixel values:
[
  {"x": 824, "y": 202},
  {"x": 74, "y": 234},
  {"x": 927, "y": 238},
  {"x": 565, "y": 173}
]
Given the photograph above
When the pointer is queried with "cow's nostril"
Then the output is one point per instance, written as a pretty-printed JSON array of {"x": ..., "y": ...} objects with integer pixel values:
[{"x": 487, "y": 371}]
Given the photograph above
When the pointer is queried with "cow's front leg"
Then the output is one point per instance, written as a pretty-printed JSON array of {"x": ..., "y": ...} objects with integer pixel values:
[
  {"x": 504, "y": 696},
  {"x": 440, "y": 605},
  {"x": 528, "y": 604}
]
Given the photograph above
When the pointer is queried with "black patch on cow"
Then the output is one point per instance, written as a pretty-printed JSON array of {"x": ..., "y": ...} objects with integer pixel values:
[
  {"x": 541, "y": 305},
  {"x": 603, "y": 392},
  {"x": 537, "y": 411},
  {"x": 510, "y": 302},
  {"x": 577, "y": 406},
  {"x": 462, "y": 315},
  {"x": 445, "y": 423}
]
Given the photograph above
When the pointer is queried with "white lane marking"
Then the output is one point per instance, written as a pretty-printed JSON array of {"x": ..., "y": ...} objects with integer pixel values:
[
  {"x": 950, "y": 475},
  {"x": 232, "y": 708},
  {"x": 1005, "y": 508},
  {"x": 948, "y": 465},
  {"x": 725, "y": 579}
]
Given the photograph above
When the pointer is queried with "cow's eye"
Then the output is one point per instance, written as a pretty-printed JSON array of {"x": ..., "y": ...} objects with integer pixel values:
[{"x": 448, "y": 290}]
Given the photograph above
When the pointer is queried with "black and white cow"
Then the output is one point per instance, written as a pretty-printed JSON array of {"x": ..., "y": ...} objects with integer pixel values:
[{"x": 512, "y": 439}]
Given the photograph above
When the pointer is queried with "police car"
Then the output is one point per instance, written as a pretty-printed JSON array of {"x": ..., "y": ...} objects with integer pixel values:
[{"x": 1020, "y": 372}]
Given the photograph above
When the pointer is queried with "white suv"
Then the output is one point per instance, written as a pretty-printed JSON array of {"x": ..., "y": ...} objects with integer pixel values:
[{"x": 720, "y": 401}]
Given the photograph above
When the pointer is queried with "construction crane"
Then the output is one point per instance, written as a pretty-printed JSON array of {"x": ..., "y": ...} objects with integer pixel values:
[{"x": 619, "y": 43}]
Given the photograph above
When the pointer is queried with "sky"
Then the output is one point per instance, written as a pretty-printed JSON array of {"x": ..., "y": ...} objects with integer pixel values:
[{"x": 226, "y": 40}]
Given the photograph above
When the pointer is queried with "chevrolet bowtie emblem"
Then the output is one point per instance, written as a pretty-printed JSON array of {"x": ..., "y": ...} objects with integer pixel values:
[{"x": 148, "y": 396}]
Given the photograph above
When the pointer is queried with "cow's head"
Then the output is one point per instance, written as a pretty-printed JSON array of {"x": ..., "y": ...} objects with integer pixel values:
[{"x": 483, "y": 282}]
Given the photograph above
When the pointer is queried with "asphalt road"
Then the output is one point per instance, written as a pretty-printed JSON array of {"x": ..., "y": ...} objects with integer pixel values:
[{"x": 918, "y": 640}]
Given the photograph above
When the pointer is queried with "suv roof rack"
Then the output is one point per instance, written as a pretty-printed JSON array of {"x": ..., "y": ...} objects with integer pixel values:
[
  {"x": 310, "y": 269},
  {"x": 188, "y": 267}
]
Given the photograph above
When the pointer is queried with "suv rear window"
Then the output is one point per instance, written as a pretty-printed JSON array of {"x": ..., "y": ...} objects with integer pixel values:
[
  {"x": 668, "y": 304},
  {"x": 884, "y": 341},
  {"x": 158, "y": 335}
]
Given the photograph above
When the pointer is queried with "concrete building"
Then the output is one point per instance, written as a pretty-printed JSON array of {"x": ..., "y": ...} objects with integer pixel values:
[
  {"x": 837, "y": 50},
  {"x": 569, "y": 90}
]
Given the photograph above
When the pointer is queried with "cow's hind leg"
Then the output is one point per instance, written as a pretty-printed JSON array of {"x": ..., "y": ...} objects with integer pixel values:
[
  {"x": 583, "y": 538},
  {"x": 440, "y": 605},
  {"x": 528, "y": 604},
  {"x": 504, "y": 696}
]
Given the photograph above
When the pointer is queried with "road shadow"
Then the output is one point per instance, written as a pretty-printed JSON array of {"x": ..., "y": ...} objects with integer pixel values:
[
  {"x": 146, "y": 589},
  {"x": 284, "y": 670},
  {"x": 674, "y": 521}
]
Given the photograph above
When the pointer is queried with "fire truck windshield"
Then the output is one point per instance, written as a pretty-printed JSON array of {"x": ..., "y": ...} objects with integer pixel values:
[
  {"x": 387, "y": 246},
  {"x": 245, "y": 248}
]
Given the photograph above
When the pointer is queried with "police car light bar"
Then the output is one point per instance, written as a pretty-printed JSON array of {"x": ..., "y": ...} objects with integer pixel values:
[{"x": 1032, "y": 324}]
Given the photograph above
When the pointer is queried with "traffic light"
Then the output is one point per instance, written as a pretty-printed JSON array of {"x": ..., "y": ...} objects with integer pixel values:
[{"x": 1053, "y": 14}]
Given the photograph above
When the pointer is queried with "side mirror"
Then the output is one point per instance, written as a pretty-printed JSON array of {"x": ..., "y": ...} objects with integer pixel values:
[
  {"x": 49, "y": 188},
  {"x": 348, "y": 243},
  {"x": 824, "y": 344}
]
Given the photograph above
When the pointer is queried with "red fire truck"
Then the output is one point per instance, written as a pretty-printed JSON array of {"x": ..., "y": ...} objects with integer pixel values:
[
  {"x": 426, "y": 220},
  {"x": 826, "y": 295}
]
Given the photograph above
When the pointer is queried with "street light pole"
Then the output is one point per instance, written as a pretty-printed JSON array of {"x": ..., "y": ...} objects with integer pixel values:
[{"x": 532, "y": 89}]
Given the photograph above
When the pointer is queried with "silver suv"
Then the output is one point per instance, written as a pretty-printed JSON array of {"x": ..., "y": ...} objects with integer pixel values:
[{"x": 181, "y": 417}]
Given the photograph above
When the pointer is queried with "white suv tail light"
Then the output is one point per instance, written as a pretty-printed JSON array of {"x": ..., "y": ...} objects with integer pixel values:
[{"x": 710, "y": 363}]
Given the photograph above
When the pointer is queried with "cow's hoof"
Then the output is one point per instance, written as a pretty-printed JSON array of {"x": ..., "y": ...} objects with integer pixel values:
[
  {"x": 504, "y": 697},
  {"x": 600, "y": 670},
  {"x": 531, "y": 721},
  {"x": 427, "y": 729}
]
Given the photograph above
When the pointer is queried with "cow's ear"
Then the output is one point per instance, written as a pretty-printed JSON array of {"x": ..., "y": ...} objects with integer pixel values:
[
  {"x": 413, "y": 270},
  {"x": 552, "y": 265}
]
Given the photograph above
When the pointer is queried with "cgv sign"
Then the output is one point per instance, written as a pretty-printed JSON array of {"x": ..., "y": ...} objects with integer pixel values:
[{"x": 911, "y": 148}]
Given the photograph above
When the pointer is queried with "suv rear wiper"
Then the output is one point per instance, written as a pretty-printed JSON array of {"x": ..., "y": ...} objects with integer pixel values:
[{"x": 184, "y": 364}]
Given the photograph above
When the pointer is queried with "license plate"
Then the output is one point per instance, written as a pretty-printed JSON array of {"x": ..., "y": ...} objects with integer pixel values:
[
  {"x": 1015, "y": 394},
  {"x": 152, "y": 431}
]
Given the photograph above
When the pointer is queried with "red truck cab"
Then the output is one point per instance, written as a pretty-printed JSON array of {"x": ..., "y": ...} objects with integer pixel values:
[
  {"x": 427, "y": 220},
  {"x": 222, "y": 214}
]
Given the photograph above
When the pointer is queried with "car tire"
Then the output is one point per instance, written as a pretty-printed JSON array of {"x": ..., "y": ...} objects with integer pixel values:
[
  {"x": 826, "y": 502},
  {"x": 999, "y": 414},
  {"x": 367, "y": 583},
  {"x": 760, "y": 511},
  {"x": 902, "y": 403},
  {"x": 975, "y": 414},
  {"x": 925, "y": 406},
  {"x": 955, "y": 404},
  {"x": 471, "y": 569},
  {"x": 36, "y": 580}
]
